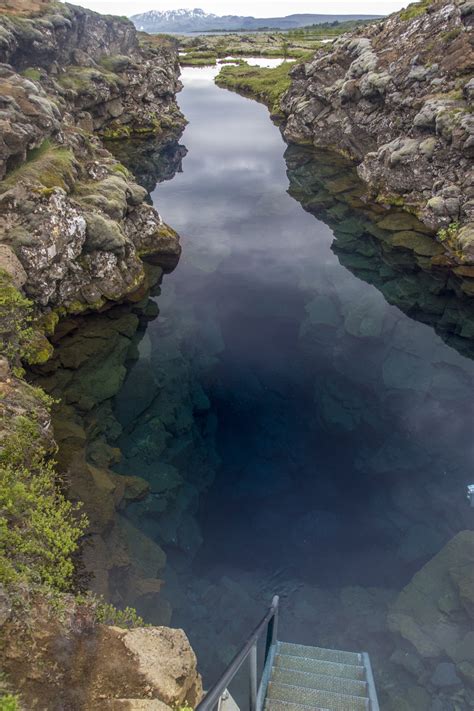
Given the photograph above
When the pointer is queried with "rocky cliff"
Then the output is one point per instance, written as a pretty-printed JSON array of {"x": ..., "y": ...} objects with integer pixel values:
[
  {"x": 77, "y": 235},
  {"x": 70, "y": 213},
  {"x": 396, "y": 96}
]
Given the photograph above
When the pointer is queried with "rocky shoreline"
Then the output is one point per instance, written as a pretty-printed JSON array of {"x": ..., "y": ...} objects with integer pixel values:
[
  {"x": 396, "y": 97},
  {"x": 81, "y": 248}
]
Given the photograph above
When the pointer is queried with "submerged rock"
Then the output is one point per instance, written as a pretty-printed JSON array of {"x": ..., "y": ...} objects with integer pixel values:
[{"x": 435, "y": 611}]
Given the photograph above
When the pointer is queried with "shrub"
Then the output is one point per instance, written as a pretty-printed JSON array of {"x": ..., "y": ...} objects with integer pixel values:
[
  {"x": 39, "y": 528},
  {"x": 109, "y": 615},
  {"x": 9, "y": 702},
  {"x": 19, "y": 340},
  {"x": 15, "y": 317}
]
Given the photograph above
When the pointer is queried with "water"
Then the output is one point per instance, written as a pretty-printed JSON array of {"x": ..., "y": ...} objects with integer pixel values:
[{"x": 318, "y": 439}]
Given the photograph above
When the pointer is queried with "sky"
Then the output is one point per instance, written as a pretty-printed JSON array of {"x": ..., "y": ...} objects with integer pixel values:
[{"x": 257, "y": 8}]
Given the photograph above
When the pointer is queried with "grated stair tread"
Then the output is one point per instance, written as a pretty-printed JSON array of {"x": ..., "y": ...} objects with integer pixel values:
[
  {"x": 322, "y": 682},
  {"x": 314, "y": 697},
  {"x": 303, "y": 664},
  {"x": 273, "y": 705},
  {"x": 329, "y": 655}
]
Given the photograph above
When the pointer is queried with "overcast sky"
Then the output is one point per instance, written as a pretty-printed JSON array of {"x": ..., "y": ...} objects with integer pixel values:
[{"x": 257, "y": 8}]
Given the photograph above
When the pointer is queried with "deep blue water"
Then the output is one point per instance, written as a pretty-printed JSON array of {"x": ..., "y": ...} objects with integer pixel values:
[{"x": 322, "y": 437}]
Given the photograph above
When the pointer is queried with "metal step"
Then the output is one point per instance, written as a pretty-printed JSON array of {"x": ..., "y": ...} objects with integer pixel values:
[
  {"x": 328, "y": 655},
  {"x": 274, "y": 705},
  {"x": 314, "y": 697},
  {"x": 323, "y": 682},
  {"x": 303, "y": 664}
]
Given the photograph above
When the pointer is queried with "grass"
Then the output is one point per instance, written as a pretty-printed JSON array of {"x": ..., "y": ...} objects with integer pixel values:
[
  {"x": 48, "y": 165},
  {"x": 198, "y": 59},
  {"x": 32, "y": 74},
  {"x": 265, "y": 85},
  {"x": 415, "y": 10}
]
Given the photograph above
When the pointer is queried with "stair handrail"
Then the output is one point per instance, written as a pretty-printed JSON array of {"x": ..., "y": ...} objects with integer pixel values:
[{"x": 216, "y": 692}]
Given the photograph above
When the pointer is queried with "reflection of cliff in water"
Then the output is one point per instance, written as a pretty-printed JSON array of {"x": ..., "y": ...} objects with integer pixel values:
[
  {"x": 151, "y": 160},
  {"x": 387, "y": 248},
  {"x": 93, "y": 355}
]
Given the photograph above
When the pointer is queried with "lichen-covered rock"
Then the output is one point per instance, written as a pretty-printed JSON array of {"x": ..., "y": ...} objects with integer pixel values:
[
  {"x": 175, "y": 680},
  {"x": 73, "y": 217},
  {"x": 397, "y": 97},
  {"x": 27, "y": 118}
]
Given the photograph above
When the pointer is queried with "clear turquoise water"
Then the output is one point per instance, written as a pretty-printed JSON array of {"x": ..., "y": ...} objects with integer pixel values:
[{"x": 319, "y": 434}]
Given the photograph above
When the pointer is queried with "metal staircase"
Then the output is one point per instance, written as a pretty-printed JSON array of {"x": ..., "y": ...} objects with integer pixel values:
[{"x": 296, "y": 677}]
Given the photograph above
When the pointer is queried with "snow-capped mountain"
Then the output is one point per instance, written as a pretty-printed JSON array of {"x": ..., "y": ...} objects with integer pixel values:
[{"x": 196, "y": 20}]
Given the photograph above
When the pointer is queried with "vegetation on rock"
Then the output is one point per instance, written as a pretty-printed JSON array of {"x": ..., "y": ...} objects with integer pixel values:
[
  {"x": 50, "y": 165},
  {"x": 261, "y": 83},
  {"x": 39, "y": 528}
]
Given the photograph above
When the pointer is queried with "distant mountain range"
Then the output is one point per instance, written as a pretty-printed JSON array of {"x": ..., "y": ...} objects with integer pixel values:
[{"x": 197, "y": 20}]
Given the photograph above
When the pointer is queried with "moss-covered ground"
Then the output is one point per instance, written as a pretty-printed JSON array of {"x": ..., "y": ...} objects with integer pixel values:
[
  {"x": 48, "y": 165},
  {"x": 265, "y": 85}
]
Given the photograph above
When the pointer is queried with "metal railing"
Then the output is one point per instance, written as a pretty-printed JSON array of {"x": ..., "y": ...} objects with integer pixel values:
[{"x": 218, "y": 693}]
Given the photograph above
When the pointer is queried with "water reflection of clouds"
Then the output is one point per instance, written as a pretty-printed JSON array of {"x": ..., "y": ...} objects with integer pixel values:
[
  {"x": 263, "y": 266},
  {"x": 335, "y": 410}
]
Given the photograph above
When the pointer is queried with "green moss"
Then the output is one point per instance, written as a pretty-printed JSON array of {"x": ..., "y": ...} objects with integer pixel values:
[
  {"x": 263, "y": 84},
  {"x": 76, "y": 307},
  {"x": 9, "y": 702},
  {"x": 38, "y": 350},
  {"x": 15, "y": 318},
  {"x": 50, "y": 166},
  {"x": 82, "y": 80},
  {"x": 116, "y": 133},
  {"x": 415, "y": 10},
  {"x": 121, "y": 170},
  {"x": 115, "y": 63},
  {"x": 119, "y": 132},
  {"x": 448, "y": 234},
  {"x": 20, "y": 338},
  {"x": 386, "y": 199},
  {"x": 32, "y": 73}
]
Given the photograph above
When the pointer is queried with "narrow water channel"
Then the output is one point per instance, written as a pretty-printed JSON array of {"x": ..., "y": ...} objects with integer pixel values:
[{"x": 315, "y": 439}]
